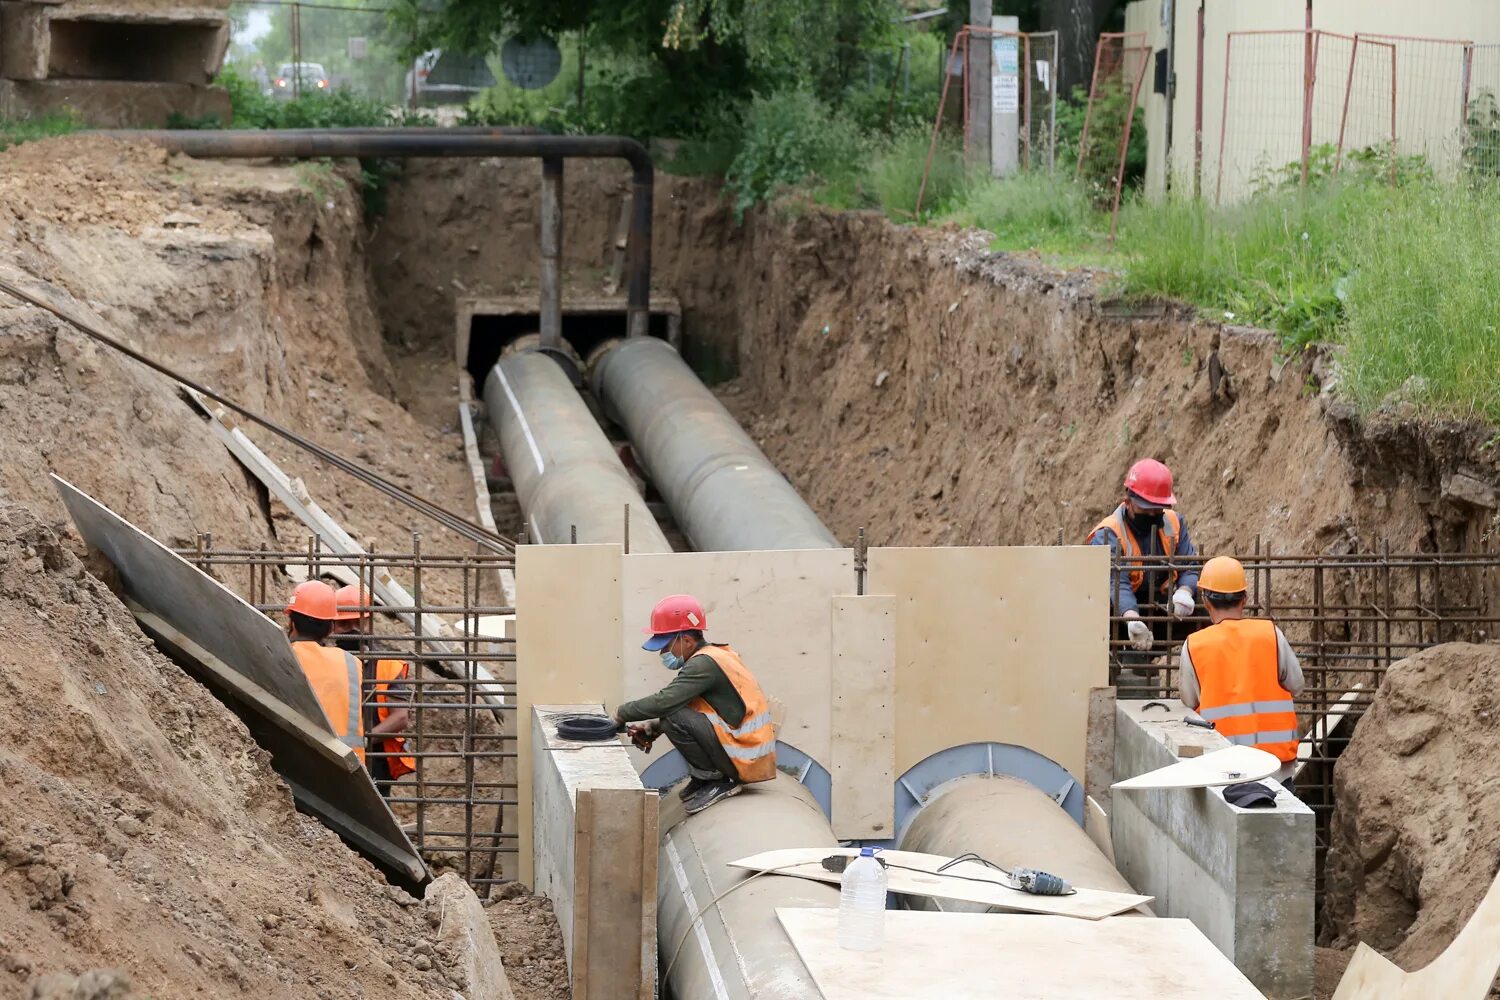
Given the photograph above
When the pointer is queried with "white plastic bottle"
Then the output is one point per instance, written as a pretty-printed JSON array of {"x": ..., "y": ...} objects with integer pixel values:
[{"x": 862, "y": 903}]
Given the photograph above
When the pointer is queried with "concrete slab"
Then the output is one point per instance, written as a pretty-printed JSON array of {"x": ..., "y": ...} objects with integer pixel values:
[
  {"x": 1243, "y": 876},
  {"x": 113, "y": 103},
  {"x": 465, "y": 928}
]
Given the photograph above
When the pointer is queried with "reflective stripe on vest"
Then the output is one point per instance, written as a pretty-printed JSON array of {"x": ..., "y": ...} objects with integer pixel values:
[
  {"x": 1238, "y": 675},
  {"x": 751, "y": 745},
  {"x": 1168, "y": 534},
  {"x": 334, "y": 677}
]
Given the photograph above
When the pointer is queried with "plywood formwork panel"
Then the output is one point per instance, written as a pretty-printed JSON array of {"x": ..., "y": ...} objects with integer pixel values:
[
  {"x": 863, "y": 705},
  {"x": 980, "y": 956},
  {"x": 771, "y": 606},
  {"x": 567, "y": 647},
  {"x": 996, "y": 644}
]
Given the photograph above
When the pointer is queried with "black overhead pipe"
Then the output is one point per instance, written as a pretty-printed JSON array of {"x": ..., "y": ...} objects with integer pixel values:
[{"x": 441, "y": 142}]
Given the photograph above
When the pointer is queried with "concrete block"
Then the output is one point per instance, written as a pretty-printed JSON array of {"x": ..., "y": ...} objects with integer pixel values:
[
  {"x": 1243, "y": 876},
  {"x": 112, "y": 103},
  {"x": 23, "y": 37},
  {"x": 465, "y": 928}
]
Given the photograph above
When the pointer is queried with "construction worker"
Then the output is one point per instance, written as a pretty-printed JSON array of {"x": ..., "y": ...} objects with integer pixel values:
[
  {"x": 1240, "y": 673},
  {"x": 352, "y": 628},
  {"x": 713, "y": 712},
  {"x": 1146, "y": 525},
  {"x": 333, "y": 674}
]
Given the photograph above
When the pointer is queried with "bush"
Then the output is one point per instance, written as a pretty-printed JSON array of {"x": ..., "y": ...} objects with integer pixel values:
[
  {"x": 340, "y": 109},
  {"x": 896, "y": 170},
  {"x": 1029, "y": 211},
  {"x": 791, "y": 139}
]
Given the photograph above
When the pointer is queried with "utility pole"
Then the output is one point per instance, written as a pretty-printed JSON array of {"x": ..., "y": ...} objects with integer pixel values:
[{"x": 978, "y": 83}]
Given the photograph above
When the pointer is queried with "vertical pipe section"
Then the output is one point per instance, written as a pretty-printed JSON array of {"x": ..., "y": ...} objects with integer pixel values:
[
  {"x": 565, "y": 473},
  {"x": 736, "y": 950},
  {"x": 551, "y": 266},
  {"x": 723, "y": 492},
  {"x": 1011, "y": 823}
]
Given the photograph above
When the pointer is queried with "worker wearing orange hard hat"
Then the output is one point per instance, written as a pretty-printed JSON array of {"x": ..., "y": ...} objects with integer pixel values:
[
  {"x": 1144, "y": 593},
  {"x": 333, "y": 674},
  {"x": 384, "y": 717},
  {"x": 1240, "y": 673},
  {"x": 713, "y": 712}
]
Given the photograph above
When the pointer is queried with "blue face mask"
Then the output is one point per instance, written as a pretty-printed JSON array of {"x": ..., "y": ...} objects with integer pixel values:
[{"x": 671, "y": 660}]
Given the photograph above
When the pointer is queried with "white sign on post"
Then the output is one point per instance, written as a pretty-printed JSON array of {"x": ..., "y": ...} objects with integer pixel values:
[{"x": 1005, "y": 88}]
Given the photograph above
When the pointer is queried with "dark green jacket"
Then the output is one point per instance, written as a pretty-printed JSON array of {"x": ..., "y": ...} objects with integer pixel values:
[{"x": 699, "y": 677}]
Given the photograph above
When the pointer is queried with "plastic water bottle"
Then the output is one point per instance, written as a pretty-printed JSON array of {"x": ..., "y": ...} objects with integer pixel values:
[{"x": 862, "y": 903}]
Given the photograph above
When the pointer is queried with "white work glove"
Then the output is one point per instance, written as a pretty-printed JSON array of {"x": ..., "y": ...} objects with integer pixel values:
[
  {"x": 1182, "y": 602},
  {"x": 1140, "y": 632}
]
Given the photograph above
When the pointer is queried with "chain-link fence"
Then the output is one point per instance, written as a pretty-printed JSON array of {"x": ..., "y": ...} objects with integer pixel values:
[{"x": 291, "y": 49}]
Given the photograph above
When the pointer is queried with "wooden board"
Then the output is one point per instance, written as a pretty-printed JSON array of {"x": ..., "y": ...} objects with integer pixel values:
[
  {"x": 197, "y": 605},
  {"x": 1085, "y": 904},
  {"x": 982, "y": 956},
  {"x": 567, "y": 647},
  {"x": 772, "y": 607},
  {"x": 1229, "y": 766},
  {"x": 1464, "y": 971},
  {"x": 996, "y": 644},
  {"x": 863, "y": 699},
  {"x": 614, "y": 907}
]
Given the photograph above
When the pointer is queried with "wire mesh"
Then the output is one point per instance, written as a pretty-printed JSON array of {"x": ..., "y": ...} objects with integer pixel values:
[
  {"x": 1348, "y": 618},
  {"x": 340, "y": 45},
  {"x": 1431, "y": 100},
  {"x": 458, "y": 805},
  {"x": 1120, "y": 61},
  {"x": 1481, "y": 136}
]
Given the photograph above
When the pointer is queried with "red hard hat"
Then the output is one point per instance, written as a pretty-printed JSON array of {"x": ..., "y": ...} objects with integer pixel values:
[
  {"x": 314, "y": 599},
  {"x": 1151, "y": 481},
  {"x": 349, "y": 599},
  {"x": 677, "y": 613}
]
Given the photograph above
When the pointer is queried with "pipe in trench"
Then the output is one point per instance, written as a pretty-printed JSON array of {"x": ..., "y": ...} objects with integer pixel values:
[
  {"x": 443, "y": 142},
  {"x": 739, "y": 950},
  {"x": 1011, "y": 823},
  {"x": 724, "y": 493},
  {"x": 565, "y": 473}
]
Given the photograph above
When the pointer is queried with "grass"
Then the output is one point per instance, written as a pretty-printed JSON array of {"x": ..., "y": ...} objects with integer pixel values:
[{"x": 15, "y": 131}]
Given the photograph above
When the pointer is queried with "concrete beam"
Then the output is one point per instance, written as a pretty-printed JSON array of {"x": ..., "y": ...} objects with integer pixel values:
[
  {"x": 1243, "y": 876},
  {"x": 594, "y": 837}
]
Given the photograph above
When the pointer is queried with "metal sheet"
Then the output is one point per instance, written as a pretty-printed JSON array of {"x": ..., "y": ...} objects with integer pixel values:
[{"x": 245, "y": 660}]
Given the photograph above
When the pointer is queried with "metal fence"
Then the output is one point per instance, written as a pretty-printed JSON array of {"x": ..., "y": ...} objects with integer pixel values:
[
  {"x": 1348, "y": 617},
  {"x": 353, "y": 44},
  {"x": 459, "y": 806},
  {"x": 1120, "y": 62}
]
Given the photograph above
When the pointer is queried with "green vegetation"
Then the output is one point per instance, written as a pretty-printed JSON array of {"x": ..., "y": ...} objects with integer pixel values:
[{"x": 15, "y": 131}]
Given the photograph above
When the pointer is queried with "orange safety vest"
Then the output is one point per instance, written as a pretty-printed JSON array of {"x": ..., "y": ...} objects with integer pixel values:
[
  {"x": 1241, "y": 691},
  {"x": 1169, "y": 532},
  {"x": 751, "y": 745},
  {"x": 334, "y": 676},
  {"x": 388, "y": 672}
]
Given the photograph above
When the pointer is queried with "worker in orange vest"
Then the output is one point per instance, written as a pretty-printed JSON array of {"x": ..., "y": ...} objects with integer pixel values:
[
  {"x": 1144, "y": 594},
  {"x": 353, "y": 625},
  {"x": 333, "y": 674},
  {"x": 713, "y": 712},
  {"x": 1240, "y": 673}
]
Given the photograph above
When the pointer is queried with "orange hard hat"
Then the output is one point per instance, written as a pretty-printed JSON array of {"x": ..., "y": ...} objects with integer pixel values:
[
  {"x": 349, "y": 599},
  {"x": 1151, "y": 481},
  {"x": 314, "y": 599},
  {"x": 678, "y": 613},
  {"x": 1223, "y": 575}
]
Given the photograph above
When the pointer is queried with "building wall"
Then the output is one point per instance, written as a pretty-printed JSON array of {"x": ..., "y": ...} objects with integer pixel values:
[{"x": 1266, "y": 113}]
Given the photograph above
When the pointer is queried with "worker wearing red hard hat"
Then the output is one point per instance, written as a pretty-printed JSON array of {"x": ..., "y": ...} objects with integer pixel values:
[
  {"x": 383, "y": 720},
  {"x": 1146, "y": 525},
  {"x": 1240, "y": 673},
  {"x": 333, "y": 674},
  {"x": 713, "y": 712}
]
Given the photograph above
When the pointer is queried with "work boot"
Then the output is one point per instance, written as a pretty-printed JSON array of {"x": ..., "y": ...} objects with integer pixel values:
[
  {"x": 710, "y": 793},
  {"x": 693, "y": 787}
]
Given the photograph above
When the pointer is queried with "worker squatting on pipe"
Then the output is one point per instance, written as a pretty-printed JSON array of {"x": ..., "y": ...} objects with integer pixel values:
[
  {"x": 723, "y": 491},
  {"x": 565, "y": 473}
]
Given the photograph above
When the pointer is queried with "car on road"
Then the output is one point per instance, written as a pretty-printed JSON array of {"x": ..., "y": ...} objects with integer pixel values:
[
  {"x": 439, "y": 77},
  {"x": 305, "y": 77}
]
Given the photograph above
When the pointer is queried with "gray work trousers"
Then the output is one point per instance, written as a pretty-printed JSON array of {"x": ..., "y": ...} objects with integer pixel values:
[{"x": 693, "y": 736}]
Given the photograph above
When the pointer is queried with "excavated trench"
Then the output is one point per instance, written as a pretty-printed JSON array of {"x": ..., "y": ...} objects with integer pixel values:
[{"x": 904, "y": 381}]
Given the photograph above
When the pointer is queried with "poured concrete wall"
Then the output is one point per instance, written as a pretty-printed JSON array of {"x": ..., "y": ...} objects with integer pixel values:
[{"x": 1243, "y": 876}]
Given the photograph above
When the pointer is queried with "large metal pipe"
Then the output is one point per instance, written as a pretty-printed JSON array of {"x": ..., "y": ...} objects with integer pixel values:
[
  {"x": 422, "y": 142},
  {"x": 565, "y": 473},
  {"x": 724, "y": 493},
  {"x": 738, "y": 951},
  {"x": 1011, "y": 823}
]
